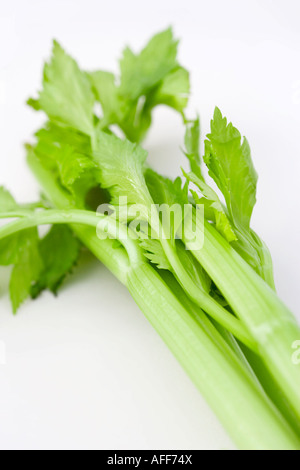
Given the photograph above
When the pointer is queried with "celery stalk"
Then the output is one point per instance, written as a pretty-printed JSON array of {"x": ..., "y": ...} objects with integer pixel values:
[
  {"x": 267, "y": 319},
  {"x": 244, "y": 410}
]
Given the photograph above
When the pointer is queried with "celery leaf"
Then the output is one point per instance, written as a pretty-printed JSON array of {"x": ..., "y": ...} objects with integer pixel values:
[
  {"x": 139, "y": 73},
  {"x": 229, "y": 162},
  {"x": 59, "y": 251},
  {"x": 212, "y": 203},
  {"x": 67, "y": 95}
]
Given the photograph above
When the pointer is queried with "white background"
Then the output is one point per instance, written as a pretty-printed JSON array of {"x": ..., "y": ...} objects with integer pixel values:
[{"x": 86, "y": 370}]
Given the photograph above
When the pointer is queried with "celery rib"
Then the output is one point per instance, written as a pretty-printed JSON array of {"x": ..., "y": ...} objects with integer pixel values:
[
  {"x": 247, "y": 414},
  {"x": 268, "y": 320}
]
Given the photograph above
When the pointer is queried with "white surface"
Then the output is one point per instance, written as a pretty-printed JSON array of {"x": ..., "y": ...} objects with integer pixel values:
[{"x": 86, "y": 370}]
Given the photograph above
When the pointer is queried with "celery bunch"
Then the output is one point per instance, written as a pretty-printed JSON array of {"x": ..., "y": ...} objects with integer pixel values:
[{"x": 202, "y": 277}]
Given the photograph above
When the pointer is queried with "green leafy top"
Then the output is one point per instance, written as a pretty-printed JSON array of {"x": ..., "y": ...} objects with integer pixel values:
[
  {"x": 148, "y": 79},
  {"x": 172, "y": 91},
  {"x": 140, "y": 73},
  {"x": 165, "y": 191},
  {"x": 38, "y": 264},
  {"x": 121, "y": 163},
  {"x": 114, "y": 106},
  {"x": 229, "y": 162},
  {"x": 67, "y": 153},
  {"x": 155, "y": 254},
  {"x": 67, "y": 95},
  {"x": 59, "y": 251},
  {"x": 213, "y": 207}
]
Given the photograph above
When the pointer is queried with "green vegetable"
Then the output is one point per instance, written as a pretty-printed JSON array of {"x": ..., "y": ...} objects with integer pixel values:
[
  {"x": 211, "y": 298},
  {"x": 229, "y": 162}
]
